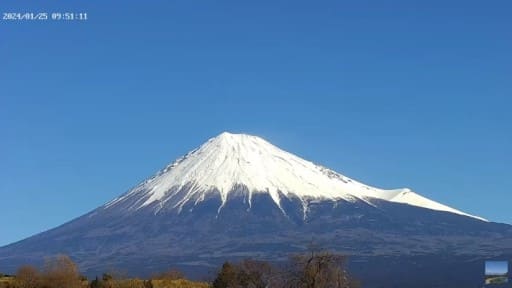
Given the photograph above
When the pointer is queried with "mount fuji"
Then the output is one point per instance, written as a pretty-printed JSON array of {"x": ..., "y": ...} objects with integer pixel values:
[
  {"x": 239, "y": 196},
  {"x": 249, "y": 165}
]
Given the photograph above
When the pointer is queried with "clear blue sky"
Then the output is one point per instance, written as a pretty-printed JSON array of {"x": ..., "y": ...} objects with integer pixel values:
[
  {"x": 496, "y": 267},
  {"x": 392, "y": 93}
]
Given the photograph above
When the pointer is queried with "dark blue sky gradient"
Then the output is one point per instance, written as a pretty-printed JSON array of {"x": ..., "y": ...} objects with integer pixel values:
[{"x": 394, "y": 94}]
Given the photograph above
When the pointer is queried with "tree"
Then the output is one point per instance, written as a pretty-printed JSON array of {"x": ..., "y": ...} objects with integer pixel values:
[
  {"x": 61, "y": 272},
  {"x": 247, "y": 273},
  {"x": 106, "y": 277},
  {"x": 254, "y": 274},
  {"x": 96, "y": 283},
  {"x": 27, "y": 277},
  {"x": 318, "y": 270},
  {"x": 227, "y": 277}
]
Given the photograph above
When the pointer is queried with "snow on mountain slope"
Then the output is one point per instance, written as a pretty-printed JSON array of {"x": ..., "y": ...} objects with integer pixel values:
[{"x": 233, "y": 159}]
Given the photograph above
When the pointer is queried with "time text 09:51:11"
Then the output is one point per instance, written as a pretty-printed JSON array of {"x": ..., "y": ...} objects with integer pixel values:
[{"x": 67, "y": 16}]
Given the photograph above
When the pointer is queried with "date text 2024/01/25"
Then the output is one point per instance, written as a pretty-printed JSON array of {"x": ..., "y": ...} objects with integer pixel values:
[{"x": 13, "y": 16}]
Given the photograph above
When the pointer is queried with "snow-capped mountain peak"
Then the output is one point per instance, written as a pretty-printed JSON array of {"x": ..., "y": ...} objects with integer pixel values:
[{"x": 229, "y": 160}]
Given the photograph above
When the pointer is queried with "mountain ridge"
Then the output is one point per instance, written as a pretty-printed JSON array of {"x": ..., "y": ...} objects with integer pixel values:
[{"x": 228, "y": 160}]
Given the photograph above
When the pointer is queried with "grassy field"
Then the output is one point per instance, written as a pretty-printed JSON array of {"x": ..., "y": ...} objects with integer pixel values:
[
  {"x": 180, "y": 283},
  {"x": 5, "y": 281}
]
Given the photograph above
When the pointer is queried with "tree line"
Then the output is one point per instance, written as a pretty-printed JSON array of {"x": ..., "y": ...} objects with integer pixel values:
[{"x": 311, "y": 270}]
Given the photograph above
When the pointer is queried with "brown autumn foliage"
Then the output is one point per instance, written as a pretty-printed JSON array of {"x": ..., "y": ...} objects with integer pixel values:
[
  {"x": 171, "y": 274},
  {"x": 60, "y": 272},
  {"x": 167, "y": 278},
  {"x": 179, "y": 283},
  {"x": 312, "y": 270},
  {"x": 27, "y": 277},
  {"x": 118, "y": 279}
]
